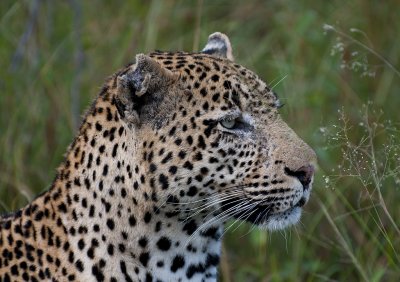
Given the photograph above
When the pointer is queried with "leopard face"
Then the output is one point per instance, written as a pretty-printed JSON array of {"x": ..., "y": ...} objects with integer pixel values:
[{"x": 211, "y": 141}]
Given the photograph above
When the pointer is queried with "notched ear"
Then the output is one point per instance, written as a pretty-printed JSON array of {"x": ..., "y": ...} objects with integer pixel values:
[
  {"x": 142, "y": 87},
  {"x": 218, "y": 45}
]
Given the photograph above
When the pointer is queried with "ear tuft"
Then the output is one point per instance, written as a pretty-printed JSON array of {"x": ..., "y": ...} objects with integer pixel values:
[
  {"x": 218, "y": 45},
  {"x": 123, "y": 101}
]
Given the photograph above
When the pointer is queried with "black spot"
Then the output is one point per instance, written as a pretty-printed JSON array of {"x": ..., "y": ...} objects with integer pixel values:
[
  {"x": 198, "y": 156},
  {"x": 62, "y": 207},
  {"x": 123, "y": 193},
  {"x": 211, "y": 232},
  {"x": 182, "y": 154},
  {"x": 109, "y": 114},
  {"x": 167, "y": 158},
  {"x": 163, "y": 181},
  {"x": 120, "y": 131},
  {"x": 215, "y": 78},
  {"x": 79, "y": 265},
  {"x": 149, "y": 277},
  {"x": 147, "y": 217},
  {"x": 81, "y": 244},
  {"x": 192, "y": 191},
  {"x": 212, "y": 260},
  {"x": 227, "y": 84},
  {"x": 97, "y": 273},
  {"x": 188, "y": 165},
  {"x": 123, "y": 270},
  {"x": 193, "y": 269},
  {"x": 8, "y": 279},
  {"x": 110, "y": 224},
  {"x": 177, "y": 263},
  {"x": 204, "y": 170},
  {"x": 203, "y": 92},
  {"x": 143, "y": 242},
  {"x": 202, "y": 76},
  {"x": 158, "y": 226},
  {"x": 205, "y": 106},
  {"x": 114, "y": 151},
  {"x": 105, "y": 170},
  {"x": 90, "y": 253},
  {"x": 84, "y": 203},
  {"x": 98, "y": 126},
  {"x": 14, "y": 270},
  {"x": 172, "y": 131},
  {"x": 172, "y": 169},
  {"x": 215, "y": 97},
  {"x": 132, "y": 220},
  {"x": 190, "y": 227},
  {"x": 121, "y": 248},
  {"x": 201, "y": 142},
  {"x": 144, "y": 258},
  {"x": 164, "y": 244},
  {"x": 110, "y": 249},
  {"x": 153, "y": 167}
]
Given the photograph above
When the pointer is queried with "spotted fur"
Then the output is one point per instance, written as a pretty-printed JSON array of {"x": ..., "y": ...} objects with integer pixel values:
[{"x": 173, "y": 146}]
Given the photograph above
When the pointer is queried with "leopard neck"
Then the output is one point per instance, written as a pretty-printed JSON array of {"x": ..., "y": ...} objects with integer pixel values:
[{"x": 115, "y": 221}]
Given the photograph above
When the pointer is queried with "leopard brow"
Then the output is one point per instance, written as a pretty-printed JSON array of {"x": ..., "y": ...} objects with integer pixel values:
[{"x": 231, "y": 115}]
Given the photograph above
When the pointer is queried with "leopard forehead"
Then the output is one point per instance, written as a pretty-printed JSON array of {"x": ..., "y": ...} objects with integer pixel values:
[{"x": 208, "y": 75}]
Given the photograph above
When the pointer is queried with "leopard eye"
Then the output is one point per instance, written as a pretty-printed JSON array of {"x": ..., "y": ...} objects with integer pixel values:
[{"x": 228, "y": 123}]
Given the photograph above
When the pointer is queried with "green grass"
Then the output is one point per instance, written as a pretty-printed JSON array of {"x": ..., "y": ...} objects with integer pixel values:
[{"x": 350, "y": 228}]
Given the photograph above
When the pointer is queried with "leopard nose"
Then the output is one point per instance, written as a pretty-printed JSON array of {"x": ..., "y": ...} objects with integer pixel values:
[{"x": 303, "y": 174}]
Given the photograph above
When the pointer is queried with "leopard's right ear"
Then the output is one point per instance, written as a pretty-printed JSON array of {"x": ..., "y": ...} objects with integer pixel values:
[{"x": 142, "y": 88}]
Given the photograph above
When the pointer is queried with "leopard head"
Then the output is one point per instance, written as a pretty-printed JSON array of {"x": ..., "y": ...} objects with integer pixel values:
[{"x": 209, "y": 139}]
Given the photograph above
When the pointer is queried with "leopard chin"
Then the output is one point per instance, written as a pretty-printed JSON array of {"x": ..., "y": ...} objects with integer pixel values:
[
  {"x": 273, "y": 221},
  {"x": 281, "y": 220}
]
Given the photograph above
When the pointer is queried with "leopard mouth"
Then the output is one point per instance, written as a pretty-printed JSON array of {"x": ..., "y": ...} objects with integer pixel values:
[{"x": 263, "y": 216}]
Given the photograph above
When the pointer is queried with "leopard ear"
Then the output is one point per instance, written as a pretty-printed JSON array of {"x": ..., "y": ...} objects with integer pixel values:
[
  {"x": 218, "y": 45},
  {"x": 142, "y": 88}
]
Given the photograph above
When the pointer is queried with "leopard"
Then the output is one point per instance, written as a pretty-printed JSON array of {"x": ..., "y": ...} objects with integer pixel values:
[{"x": 175, "y": 145}]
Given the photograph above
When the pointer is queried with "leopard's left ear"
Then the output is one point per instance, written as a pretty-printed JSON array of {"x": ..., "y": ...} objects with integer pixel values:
[
  {"x": 141, "y": 89},
  {"x": 218, "y": 45}
]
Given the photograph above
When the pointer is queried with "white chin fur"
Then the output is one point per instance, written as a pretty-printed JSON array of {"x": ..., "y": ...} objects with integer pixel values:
[{"x": 282, "y": 220}]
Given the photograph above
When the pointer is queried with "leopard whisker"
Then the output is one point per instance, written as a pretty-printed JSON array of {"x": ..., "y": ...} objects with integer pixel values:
[
  {"x": 241, "y": 218},
  {"x": 216, "y": 193},
  {"x": 219, "y": 201},
  {"x": 215, "y": 219},
  {"x": 264, "y": 217}
]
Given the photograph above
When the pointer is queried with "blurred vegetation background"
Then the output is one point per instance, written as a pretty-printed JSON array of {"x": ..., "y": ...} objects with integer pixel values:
[{"x": 335, "y": 64}]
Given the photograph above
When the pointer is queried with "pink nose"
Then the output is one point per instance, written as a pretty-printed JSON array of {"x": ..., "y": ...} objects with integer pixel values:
[{"x": 303, "y": 174}]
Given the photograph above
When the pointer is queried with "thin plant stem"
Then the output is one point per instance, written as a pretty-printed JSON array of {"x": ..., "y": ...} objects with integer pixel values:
[{"x": 359, "y": 43}]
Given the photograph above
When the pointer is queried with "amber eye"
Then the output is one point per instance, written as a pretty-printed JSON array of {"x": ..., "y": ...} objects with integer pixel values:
[{"x": 228, "y": 123}]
